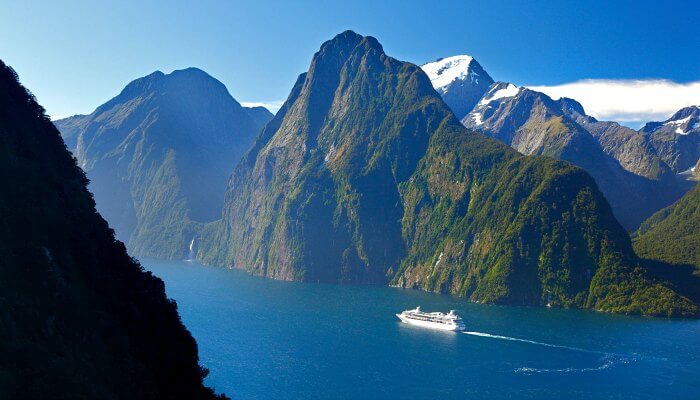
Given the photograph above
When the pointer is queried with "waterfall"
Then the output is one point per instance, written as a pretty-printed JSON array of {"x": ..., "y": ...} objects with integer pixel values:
[{"x": 191, "y": 255}]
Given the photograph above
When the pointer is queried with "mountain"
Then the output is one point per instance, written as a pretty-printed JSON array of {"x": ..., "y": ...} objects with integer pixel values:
[
  {"x": 672, "y": 235},
  {"x": 79, "y": 318},
  {"x": 677, "y": 140},
  {"x": 630, "y": 148},
  {"x": 159, "y": 155},
  {"x": 532, "y": 123},
  {"x": 260, "y": 115},
  {"x": 460, "y": 80},
  {"x": 366, "y": 176}
]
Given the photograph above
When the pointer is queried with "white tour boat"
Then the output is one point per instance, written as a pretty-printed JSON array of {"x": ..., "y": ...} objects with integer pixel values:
[{"x": 434, "y": 320}]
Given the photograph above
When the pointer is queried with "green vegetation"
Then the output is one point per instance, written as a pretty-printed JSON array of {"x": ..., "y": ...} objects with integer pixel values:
[
  {"x": 79, "y": 318},
  {"x": 672, "y": 235},
  {"x": 366, "y": 176}
]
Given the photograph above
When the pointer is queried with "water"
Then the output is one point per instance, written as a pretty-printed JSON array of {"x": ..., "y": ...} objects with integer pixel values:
[{"x": 265, "y": 339}]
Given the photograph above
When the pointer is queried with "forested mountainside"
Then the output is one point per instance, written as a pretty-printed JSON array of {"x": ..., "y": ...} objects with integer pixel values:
[
  {"x": 79, "y": 318},
  {"x": 623, "y": 163},
  {"x": 159, "y": 155},
  {"x": 365, "y": 175},
  {"x": 672, "y": 235}
]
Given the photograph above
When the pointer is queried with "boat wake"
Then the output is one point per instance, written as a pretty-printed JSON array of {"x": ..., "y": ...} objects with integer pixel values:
[
  {"x": 607, "y": 360},
  {"x": 513, "y": 339}
]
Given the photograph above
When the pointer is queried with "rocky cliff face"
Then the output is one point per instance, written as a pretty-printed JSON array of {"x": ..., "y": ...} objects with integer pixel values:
[
  {"x": 366, "y": 176},
  {"x": 677, "y": 140},
  {"x": 79, "y": 318},
  {"x": 630, "y": 148},
  {"x": 159, "y": 155}
]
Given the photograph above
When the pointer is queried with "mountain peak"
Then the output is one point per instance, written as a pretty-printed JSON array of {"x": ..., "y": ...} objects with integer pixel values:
[
  {"x": 460, "y": 80},
  {"x": 683, "y": 122},
  {"x": 341, "y": 44},
  {"x": 444, "y": 71},
  {"x": 690, "y": 111},
  {"x": 158, "y": 77},
  {"x": 571, "y": 105},
  {"x": 348, "y": 36},
  {"x": 182, "y": 82}
]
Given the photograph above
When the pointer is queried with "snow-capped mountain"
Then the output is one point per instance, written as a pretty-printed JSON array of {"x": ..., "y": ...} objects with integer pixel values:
[
  {"x": 685, "y": 121},
  {"x": 489, "y": 103},
  {"x": 677, "y": 140},
  {"x": 460, "y": 80}
]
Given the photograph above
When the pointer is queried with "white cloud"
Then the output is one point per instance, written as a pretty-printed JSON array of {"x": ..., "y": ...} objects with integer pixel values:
[
  {"x": 629, "y": 101},
  {"x": 273, "y": 106}
]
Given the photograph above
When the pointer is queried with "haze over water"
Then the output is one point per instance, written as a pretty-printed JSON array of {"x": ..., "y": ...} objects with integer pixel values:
[{"x": 266, "y": 339}]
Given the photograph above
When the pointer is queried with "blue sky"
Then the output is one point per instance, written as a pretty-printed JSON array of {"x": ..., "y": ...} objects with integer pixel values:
[{"x": 76, "y": 55}]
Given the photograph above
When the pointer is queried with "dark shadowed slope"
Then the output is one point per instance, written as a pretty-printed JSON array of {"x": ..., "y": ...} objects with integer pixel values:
[
  {"x": 365, "y": 175},
  {"x": 78, "y": 317},
  {"x": 159, "y": 155}
]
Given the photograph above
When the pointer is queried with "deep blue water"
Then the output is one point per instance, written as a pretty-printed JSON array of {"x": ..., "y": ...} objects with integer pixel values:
[{"x": 266, "y": 339}]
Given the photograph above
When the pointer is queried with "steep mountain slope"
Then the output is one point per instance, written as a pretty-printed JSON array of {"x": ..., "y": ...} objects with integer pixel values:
[
  {"x": 78, "y": 317},
  {"x": 533, "y": 123},
  {"x": 460, "y": 80},
  {"x": 365, "y": 175},
  {"x": 677, "y": 140},
  {"x": 159, "y": 155},
  {"x": 632, "y": 149},
  {"x": 673, "y": 234}
]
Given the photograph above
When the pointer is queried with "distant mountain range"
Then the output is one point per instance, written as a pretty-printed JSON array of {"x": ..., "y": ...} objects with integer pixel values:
[
  {"x": 159, "y": 156},
  {"x": 79, "y": 318},
  {"x": 636, "y": 170},
  {"x": 366, "y": 176}
]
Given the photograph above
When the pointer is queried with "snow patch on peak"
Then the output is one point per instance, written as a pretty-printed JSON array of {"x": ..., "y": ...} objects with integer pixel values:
[
  {"x": 678, "y": 121},
  {"x": 509, "y": 90},
  {"x": 679, "y": 124},
  {"x": 446, "y": 70}
]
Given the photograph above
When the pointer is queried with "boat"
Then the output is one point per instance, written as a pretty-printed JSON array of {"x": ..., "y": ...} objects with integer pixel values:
[{"x": 433, "y": 320}]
